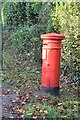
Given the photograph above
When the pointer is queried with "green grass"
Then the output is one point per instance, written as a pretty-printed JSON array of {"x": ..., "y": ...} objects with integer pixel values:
[
  {"x": 13, "y": 72},
  {"x": 47, "y": 111}
]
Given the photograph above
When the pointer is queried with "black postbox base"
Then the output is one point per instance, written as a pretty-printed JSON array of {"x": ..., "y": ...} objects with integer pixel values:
[{"x": 51, "y": 90}]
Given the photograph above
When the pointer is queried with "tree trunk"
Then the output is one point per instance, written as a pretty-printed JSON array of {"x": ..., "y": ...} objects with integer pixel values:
[
  {"x": 0, "y": 64},
  {"x": 0, "y": 39}
]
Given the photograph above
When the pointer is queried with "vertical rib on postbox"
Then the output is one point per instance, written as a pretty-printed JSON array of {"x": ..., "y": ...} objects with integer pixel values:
[{"x": 51, "y": 52}]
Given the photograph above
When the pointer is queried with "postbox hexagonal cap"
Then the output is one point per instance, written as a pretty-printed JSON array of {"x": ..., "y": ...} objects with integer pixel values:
[{"x": 52, "y": 36}]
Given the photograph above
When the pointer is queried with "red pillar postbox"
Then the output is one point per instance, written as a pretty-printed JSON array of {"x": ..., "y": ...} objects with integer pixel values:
[{"x": 51, "y": 52}]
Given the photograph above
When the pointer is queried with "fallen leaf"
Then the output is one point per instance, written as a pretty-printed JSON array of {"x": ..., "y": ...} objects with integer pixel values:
[
  {"x": 59, "y": 110},
  {"x": 29, "y": 113},
  {"x": 34, "y": 117},
  {"x": 38, "y": 113},
  {"x": 8, "y": 91},
  {"x": 41, "y": 111},
  {"x": 19, "y": 110},
  {"x": 45, "y": 111},
  {"x": 37, "y": 107},
  {"x": 16, "y": 99},
  {"x": 13, "y": 101},
  {"x": 29, "y": 87},
  {"x": 34, "y": 105},
  {"x": 59, "y": 104},
  {"x": 64, "y": 116},
  {"x": 23, "y": 103}
]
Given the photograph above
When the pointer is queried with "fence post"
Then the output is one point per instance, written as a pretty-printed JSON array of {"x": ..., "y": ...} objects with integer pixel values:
[
  {"x": 0, "y": 64},
  {"x": 0, "y": 40}
]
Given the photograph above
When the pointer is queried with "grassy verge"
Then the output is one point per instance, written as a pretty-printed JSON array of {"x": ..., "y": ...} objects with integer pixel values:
[{"x": 27, "y": 79}]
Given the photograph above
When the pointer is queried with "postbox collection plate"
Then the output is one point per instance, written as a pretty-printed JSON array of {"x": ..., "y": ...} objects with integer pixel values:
[{"x": 44, "y": 54}]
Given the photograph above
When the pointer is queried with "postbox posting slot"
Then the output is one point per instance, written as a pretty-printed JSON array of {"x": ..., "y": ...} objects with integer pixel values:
[{"x": 45, "y": 45}]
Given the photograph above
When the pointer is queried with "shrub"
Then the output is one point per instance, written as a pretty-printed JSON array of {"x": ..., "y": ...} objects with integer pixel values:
[
  {"x": 27, "y": 40},
  {"x": 65, "y": 19}
]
